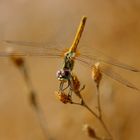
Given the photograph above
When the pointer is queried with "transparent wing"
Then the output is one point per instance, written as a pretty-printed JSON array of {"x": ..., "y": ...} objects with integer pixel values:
[
  {"x": 118, "y": 78},
  {"x": 96, "y": 55},
  {"x": 32, "y": 44},
  {"x": 48, "y": 49},
  {"x": 113, "y": 75},
  {"x": 22, "y": 48}
]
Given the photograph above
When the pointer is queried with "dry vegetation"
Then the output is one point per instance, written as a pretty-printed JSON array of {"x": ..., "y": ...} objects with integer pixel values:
[{"x": 112, "y": 26}]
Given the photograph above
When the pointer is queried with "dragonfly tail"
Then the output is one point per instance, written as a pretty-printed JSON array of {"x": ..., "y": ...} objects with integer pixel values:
[{"x": 73, "y": 48}]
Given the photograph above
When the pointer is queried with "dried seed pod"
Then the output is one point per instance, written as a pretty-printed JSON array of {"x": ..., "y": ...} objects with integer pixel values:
[
  {"x": 90, "y": 131},
  {"x": 18, "y": 61},
  {"x": 63, "y": 97},
  {"x": 76, "y": 83},
  {"x": 96, "y": 73}
]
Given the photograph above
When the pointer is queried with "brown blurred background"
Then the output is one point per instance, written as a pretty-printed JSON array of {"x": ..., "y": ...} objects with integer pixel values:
[{"x": 113, "y": 26}]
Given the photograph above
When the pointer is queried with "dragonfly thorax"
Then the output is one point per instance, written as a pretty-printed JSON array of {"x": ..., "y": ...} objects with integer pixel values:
[
  {"x": 68, "y": 64},
  {"x": 70, "y": 54},
  {"x": 69, "y": 61}
]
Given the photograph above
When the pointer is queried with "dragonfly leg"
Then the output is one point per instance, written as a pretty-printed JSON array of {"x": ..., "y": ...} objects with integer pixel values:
[
  {"x": 61, "y": 86},
  {"x": 66, "y": 86},
  {"x": 82, "y": 88},
  {"x": 70, "y": 93}
]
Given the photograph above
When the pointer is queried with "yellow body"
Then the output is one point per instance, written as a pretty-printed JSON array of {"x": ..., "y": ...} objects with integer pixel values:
[{"x": 74, "y": 45}]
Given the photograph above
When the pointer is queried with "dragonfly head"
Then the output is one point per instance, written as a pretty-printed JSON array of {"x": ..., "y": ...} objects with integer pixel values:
[{"x": 63, "y": 74}]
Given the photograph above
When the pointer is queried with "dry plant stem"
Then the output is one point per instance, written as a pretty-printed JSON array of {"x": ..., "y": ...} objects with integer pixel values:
[
  {"x": 98, "y": 102},
  {"x": 34, "y": 102},
  {"x": 99, "y": 117},
  {"x": 83, "y": 104},
  {"x": 100, "y": 113}
]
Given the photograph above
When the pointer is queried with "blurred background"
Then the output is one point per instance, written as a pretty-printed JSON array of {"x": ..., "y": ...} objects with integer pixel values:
[{"x": 113, "y": 26}]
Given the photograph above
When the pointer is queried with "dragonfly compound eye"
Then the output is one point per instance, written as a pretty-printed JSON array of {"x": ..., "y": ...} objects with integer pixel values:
[{"x": 63, "y": 74}]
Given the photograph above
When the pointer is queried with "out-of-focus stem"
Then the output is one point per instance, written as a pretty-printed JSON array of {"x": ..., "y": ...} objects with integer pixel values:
[{"x": 20, "y": 63}]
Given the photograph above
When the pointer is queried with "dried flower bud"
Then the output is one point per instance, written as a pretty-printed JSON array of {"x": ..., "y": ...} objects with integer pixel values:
[
  {"x": 90, "y": 131},
  {"x": 76, "y": 83},
  {"x": 64, "y": 98},
  {"x": 96, "y": 73},
  {"x": 18, "y": 61}
]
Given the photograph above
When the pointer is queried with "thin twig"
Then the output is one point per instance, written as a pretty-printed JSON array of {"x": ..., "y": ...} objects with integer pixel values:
[
  {"x": 100, "y": 113},
  {"x": 98, "y": 102},
  {"x": 99, "y": 117},
  {"x": 83, "y": 104},
  {"x": 105, "y": 127}
]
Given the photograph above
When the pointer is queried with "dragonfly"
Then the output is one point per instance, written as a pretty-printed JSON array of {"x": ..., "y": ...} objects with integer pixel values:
[{"x": 70, "y": 55}]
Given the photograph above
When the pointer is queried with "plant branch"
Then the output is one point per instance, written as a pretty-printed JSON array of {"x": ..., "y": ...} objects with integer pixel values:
[
  {"x": 99, "y": 117},
  {"x": 100, "y": 113}
]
